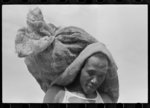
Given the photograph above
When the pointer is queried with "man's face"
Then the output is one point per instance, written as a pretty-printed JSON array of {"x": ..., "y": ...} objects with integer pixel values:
[{"x": 93, "y": 74}]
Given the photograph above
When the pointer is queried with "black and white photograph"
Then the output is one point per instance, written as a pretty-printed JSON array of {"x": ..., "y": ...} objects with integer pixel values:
[{"x": 75, "y": 53}]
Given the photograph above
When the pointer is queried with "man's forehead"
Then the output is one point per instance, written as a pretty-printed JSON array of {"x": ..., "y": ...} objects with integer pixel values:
[{"x": 94, "y": 60}]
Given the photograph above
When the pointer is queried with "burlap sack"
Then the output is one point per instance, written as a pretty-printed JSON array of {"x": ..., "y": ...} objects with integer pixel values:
[{"x": 49, "y": 50}]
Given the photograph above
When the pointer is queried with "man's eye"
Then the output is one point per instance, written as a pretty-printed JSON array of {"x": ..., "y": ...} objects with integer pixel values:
[
  {"x": 101, "y": 76},
  {"x": 91, "y": 73}
]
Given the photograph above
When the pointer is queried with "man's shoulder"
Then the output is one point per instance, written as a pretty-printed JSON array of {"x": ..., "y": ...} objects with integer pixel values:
[
  {"x": 54, "y": 94},
  {"x": 106, "y": 98},
  {"x": 56, "y": 89}
]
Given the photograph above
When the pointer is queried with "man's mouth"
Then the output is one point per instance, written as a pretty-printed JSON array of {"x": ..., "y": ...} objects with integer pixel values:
[{"x": 90, "y": 86}]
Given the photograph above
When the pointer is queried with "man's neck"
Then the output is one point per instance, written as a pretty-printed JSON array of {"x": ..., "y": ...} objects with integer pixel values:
[{"x": 76, "y": 87}]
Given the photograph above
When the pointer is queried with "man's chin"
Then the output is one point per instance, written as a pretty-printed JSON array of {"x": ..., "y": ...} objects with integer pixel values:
[{"x": 89, "y": 91}]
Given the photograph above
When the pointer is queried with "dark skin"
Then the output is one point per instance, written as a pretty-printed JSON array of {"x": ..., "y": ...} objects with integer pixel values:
[{"x": 86, "y": 83}]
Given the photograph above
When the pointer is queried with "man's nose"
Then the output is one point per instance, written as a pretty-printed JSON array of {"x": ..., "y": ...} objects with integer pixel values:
[{"x": 94, "y": 80}]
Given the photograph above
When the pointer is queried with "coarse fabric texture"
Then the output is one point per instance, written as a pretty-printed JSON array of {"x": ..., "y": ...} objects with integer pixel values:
[
  {"x": 47, "y": 65},
  {"x": 55, "y": 55},
  {"x": 47, "y": 49},
  {"x": 36, "y": 37}
]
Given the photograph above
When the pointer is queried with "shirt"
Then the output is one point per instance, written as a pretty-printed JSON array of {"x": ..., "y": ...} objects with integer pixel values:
[{"x": 74, "y": 97}]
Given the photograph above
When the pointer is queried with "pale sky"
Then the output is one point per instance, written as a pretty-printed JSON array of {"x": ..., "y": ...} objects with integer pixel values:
[{"x": 122, "y": 28}]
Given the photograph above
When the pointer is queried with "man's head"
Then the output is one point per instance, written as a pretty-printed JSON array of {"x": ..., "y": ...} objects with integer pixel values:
[{"x": 93, "y": 72}]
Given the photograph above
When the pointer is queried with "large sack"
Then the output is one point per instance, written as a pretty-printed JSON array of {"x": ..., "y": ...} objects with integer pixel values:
[
  {"x": 49, "y": 51},
  {"x": 50, "y": 63}
]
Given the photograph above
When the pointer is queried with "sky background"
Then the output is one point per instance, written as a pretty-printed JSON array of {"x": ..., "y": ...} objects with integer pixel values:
[{"x": 122, "y": 28}]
